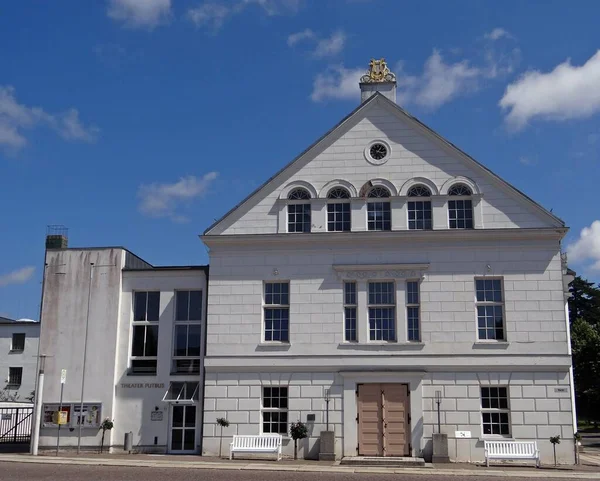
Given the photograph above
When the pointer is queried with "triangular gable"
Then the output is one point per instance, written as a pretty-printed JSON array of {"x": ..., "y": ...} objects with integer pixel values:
[{"x": 277, "y": 180}]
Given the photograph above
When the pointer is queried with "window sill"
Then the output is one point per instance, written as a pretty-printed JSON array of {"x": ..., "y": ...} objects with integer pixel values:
[
  {"x": 273, "y": 346},
  {"x": 378, "y": 346},
  {"x": 491, "y": 345}
]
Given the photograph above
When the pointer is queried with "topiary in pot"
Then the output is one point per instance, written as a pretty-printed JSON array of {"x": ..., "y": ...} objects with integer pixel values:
[{"x": 298, "y": 430}]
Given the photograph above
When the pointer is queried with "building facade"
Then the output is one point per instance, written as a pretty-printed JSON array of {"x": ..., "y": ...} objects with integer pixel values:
[
  {"x": 127, "y": 337},
  {"x": 379, "y": 273},
  {"x": 18, "y": 351}
]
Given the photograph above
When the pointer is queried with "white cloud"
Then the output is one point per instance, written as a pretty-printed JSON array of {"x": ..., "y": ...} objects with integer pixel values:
[
  {"x": 161, "y": 200},
  {"x": 140, "y": 13},
  {"x": 441, "y": 82},
  {"x": 587, "y": 247},
  {"x": 567, "y": 92},
  {"x": 213, "y": 15},
  {"x": 295, "y": 38},
  {"x": 331, "y": 46},
  {"x": 16, "y": 118},
  {"x": 337, "y": 83},
  {"x": 497, "y": 34},
  {"x": 20, "y": 276}
]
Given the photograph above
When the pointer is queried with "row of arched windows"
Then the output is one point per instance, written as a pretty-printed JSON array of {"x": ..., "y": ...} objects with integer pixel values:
[{"x": 379, "y": 214}]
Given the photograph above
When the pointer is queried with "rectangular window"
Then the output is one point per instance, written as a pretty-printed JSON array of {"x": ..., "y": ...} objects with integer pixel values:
[
  {"x": 144, "y": 343},
  {"x": 277, "y": 311},
  {"x": 15, "y": 376},
  {"x": 490, "y": 309},
  {"x": 299, "y": 218},
  {"x": 18, "y": 342},
  {"x": 350, "y": 334},
  {"x": 495, "y": 411},
  {"x": 188, "y": 306},
  {"x": 275, "y": 410},
  {"x": 382, "y": 311},
  {"x": 379, "y": 216},
  {"x": 460, "y": 214},
  {"x": 419, "y": 215},
  {"x": 338, "y": 217},
  {"x": 146, "y": 306},
  {"x": 412, "y": 310}
]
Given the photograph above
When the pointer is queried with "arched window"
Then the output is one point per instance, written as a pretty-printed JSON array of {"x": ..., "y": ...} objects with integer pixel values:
[
  {"x": 299, "y": 211},
  {"x": 379, "y": 214},
  {"x": 299, "y": 194},
  {"x": 460, "y": 211},
  {"x": 419, "y": 211},
  {"x": 338, "y": 210}
]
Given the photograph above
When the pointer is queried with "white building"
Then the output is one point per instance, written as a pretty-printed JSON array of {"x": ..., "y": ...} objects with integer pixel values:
[
  {"x": 384, "y": 265},
  {"x": 135, "y": 334},
  {"x": 18, "y": 351}
]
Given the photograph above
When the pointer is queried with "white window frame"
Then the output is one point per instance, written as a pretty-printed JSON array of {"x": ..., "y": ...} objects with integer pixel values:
[
  {"x": 346, "y": 306},
  {"x": 500, "y": 304},
  {"x": 146, "y": 324},
  {"x": 266, "y": 307},
  {"x": 264, "y": 409},
  {"x": 394, "y": 306},
  {"x": 495, "y": 411},
  {"x": 197, "y": 323},
  {"x": 410, "y": 305}
]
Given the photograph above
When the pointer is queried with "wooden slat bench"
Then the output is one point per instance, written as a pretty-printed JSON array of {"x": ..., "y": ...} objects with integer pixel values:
[
  {"x": 263, "y": 443},
  {"x": 515, "y": 450}
]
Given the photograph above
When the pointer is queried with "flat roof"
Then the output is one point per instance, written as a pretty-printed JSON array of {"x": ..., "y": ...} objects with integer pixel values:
[{"x": 169, "y": 268}]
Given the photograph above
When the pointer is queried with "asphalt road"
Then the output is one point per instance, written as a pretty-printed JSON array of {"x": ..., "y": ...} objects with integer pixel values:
[{"x": 51, "y": 472}]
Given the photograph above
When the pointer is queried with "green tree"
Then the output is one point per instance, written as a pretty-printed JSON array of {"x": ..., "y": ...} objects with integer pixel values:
[
  {"x": 585, "y": 341},
  {"x": 584, "y": 302}
]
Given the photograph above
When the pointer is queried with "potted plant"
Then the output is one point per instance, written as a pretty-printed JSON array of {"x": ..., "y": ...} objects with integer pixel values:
[
  {"x": 555, "y": 440},
  {"x": 223, "y": 423},
  {"x": 106, "y": 425},
  {"x": 298, "y": 430}
]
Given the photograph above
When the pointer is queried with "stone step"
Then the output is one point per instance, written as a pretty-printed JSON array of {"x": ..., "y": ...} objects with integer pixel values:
[{"x": 396, "y": 462}]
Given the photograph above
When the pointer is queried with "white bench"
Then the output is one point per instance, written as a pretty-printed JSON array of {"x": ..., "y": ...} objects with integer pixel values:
[
  {"x": 516, "y": 450},
  {"x": 263, "y": 443}
]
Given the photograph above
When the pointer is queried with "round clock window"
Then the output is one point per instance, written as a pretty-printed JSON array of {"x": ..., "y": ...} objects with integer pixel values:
[{"x": 377, "y": 152}]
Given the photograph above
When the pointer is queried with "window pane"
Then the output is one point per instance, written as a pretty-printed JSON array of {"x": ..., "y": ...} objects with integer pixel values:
[
  {"x": 182, "y": 301},
  {"x": 178, "y": 416},
  {"x": 153, "y": 306},
  {"x": 189, "y": 439},
  {"x": 382, "y": 324},
  {"x": 350, "y": 293},
  {"x": 190, "y": 415},
  {"x": 147, "y": 366},
  {"x": 139, "y": 306},
  {"x": 194, "y": 340},
  {"x": 195, "y": 306},
  {"x": 350, "y": 323},
  {"x": 139, "y": 333},
  {"x": 379, "y": 216},
  {"x": 299, "y": 218},
  {"x": 181, "y": 340},
  {"x": 18, "y": 342},
  {"x": 338, "y": 217},
  {"x": 151, "y": 341}
]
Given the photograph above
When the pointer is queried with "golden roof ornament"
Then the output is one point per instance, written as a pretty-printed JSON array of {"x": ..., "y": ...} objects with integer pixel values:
[{"x": 378, "y": 72}]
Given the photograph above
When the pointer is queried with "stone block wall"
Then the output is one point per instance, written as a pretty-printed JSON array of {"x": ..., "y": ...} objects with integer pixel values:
[
  {"x": 238, "y": 398},
  {"x": 539, "y": 403}
]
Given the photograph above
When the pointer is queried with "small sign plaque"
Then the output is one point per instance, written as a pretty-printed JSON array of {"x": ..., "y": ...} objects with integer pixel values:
[
  {"x": 156, "y": 416},
  {"x": 63, "y": 376},
  {"x": 561, "y": 389},
  {"x": 462, "y": 434},
  {"x": 6, "y": 417}
]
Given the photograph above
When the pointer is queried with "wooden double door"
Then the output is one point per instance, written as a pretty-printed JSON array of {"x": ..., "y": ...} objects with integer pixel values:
[{"x": 383, "y": 420}]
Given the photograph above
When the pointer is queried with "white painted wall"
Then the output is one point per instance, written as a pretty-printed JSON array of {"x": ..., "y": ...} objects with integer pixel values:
[{"x": 25, "y": 359}]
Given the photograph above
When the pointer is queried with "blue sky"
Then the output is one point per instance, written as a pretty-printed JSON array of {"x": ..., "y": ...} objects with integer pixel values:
[{"x": 139, "y": 122}]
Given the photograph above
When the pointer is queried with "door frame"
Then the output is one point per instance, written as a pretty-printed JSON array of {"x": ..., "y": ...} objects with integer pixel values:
[
  {"x": 170, "y": 449},
  {"x": 350, "y": 405}
]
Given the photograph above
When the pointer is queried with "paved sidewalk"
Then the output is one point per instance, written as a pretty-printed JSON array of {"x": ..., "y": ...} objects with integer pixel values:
[{"x": 188, "y": 462}]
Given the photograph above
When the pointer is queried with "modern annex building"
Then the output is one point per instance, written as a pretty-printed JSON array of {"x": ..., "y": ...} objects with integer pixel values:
[
  {"x": 129, "y": 337},
  {"x": 379, "y": 269}
]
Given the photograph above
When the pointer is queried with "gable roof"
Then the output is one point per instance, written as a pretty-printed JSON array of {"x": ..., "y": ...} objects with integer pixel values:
[{"x": 378, "y": 97}]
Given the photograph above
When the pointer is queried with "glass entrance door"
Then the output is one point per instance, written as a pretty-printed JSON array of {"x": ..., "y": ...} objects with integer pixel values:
[{"x": 183, "y": 428}]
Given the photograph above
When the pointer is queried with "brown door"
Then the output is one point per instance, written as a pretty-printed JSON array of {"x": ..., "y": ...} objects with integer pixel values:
[
  {"x": 383, "y": 420},
  {"x": 396, "y": 434},
  {"x": 370, "y": 417}
]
